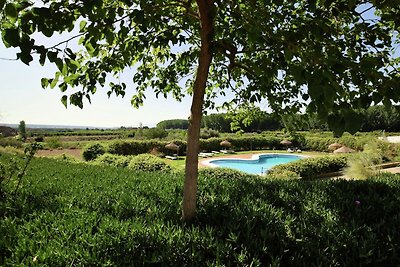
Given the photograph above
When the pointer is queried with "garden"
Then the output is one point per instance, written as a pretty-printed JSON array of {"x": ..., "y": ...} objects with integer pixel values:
[
  {"x": 120, "y": 197},
  {"x": 121, "y": 205}
]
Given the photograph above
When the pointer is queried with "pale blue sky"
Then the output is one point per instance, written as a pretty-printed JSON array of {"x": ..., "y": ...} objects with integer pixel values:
[{"x": 22, "y": 98}]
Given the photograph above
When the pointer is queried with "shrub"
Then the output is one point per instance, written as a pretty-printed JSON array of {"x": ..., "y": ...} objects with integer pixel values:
[
  {"x": 143, "y": 147},
  {"x": 312, "y": 167},
  {"x": 113, "y": 160},
  {"x": 67, "y": 158},
  {"x": 223, "y": 173},
  {"x": 318, "y": 143},
  {"x": 154, "y": 133},
  {"x": 148, "y": 162},
  {"x": 208, "y": 133},
  {"x": 282, "y": 175},
  {"x": 10, "y": 141},
  {"x": 53, "y": 142},
  {"x": 92, "y": 151},
  {"x": 10, "y": 150},
  {"x": 39, "y": 139}
]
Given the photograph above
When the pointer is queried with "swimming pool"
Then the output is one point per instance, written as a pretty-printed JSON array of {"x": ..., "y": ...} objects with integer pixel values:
[{"x": 258, "y": 164}]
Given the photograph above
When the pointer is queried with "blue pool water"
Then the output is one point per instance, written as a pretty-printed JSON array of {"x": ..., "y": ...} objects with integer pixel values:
[{"x": 255, "y": 166}]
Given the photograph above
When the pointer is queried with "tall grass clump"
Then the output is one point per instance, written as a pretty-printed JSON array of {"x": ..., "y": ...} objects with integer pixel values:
[{"x": 361, "y": 165}]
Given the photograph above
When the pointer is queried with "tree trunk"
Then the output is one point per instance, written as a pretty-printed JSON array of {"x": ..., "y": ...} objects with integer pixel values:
[{"x": 206, "y": 13}]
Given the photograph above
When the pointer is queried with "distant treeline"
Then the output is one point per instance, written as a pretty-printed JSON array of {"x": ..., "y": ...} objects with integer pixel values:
[{"x": 374, "y": 118}]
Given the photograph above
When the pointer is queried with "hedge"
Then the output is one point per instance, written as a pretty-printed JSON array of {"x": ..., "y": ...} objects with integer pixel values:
[
  {"x": 238, "y": 144},
  {"x": 312, "y": 167}
]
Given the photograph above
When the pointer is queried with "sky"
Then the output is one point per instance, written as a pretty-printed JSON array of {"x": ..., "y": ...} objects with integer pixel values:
[{"x": 22, "y": 98}]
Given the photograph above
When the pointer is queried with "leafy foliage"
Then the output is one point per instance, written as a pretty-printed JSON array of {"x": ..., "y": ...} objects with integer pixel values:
[
  {"x": 22, "y": 130},
  {"x": 93, "y": 215},
  {"x": 12, "y": 173},
  {"x": 92, "y": 151},
  {"x": 148, "y": 162},
  {"x": 327, "y": 47},
  {"x": 113, "y": 160},
  {"x": 208, "y": 133},
  {"x": 10, "y": 141},
  {"x": 173, "y": 124},
  {"x": 312, "y": 167}
]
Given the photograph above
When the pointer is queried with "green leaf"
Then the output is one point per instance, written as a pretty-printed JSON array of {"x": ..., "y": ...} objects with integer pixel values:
[
  {"x": 88, "y": 98},
  {"x": 52, "y": 56},
  {"x": 55, "y": 80},
  {"x": 44, "y": 82},
  {"x": 63, "y": 87},
  {"x": 11, "y": 11},
  {"x": 82, "y": 25},
  {"x": 11, "y": 37},
  {"x": 64, "y": 99},
  {"x": 353, "y": 121},
  {"x": 336, "y": 123},
  {"x": 2, "y": 3},
  {"x": 42, "y": 58},
  {"x": 25, "y": 57},
  {"x": 59, "y": 64}
]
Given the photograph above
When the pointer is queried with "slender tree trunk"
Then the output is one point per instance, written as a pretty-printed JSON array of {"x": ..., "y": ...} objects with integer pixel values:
[{"x": 206, "y": 13}]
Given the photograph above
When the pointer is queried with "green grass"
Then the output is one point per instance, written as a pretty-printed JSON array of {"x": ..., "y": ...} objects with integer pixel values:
[{"x": 78, "y": 214}]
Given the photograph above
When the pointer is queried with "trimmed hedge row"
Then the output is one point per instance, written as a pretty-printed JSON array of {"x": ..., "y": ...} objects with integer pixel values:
[
  {"x": 322, "y": 143},
  {"x": 143, "y": 146},
  {"x": 312, "y": 167},
  {"x": 242, "y": 143},
  {"x": 239, "y": 144},
  {"x": 143, "y": 162}
]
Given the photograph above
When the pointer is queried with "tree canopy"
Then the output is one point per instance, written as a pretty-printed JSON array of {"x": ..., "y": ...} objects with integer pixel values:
[
  {"x": 329, "y": 53},
  {"x": 329, "y": 56}
]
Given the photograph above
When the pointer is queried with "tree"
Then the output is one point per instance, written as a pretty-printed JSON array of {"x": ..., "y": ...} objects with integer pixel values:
[
  {"x": 173, "y": 124},
  {"x": 22, "y": 130},
  {"x": 331, "y": 56}
]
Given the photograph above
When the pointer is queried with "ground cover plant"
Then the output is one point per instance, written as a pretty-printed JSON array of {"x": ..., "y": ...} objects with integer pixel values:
[{"x": 80, "y": 214}]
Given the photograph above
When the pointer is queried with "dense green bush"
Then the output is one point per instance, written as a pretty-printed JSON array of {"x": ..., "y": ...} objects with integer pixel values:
[
  {"x": 54, "y": 142},
  {"x": 92, "y": 151},
  {"x": 143, "y": 146},
  {"x": 221, "y": 173},
  {"x": 113, "y": 160},
  {"x": 153, "y": 133},
  {"x": 318, "y": 143},
  {"x": 252, "y": 142},
  {"x": 312, "y": 167},
  {"x": 208, "y": 133},
  {"x": 94, "y": 216},
  {"x": 10, "y": 141},
  {"x": 148, "y": 162},
  {"x": 173, "y": 124}
]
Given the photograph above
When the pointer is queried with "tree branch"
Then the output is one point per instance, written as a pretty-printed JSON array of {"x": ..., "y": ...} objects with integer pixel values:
[{"x": 65, "y": 41}]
